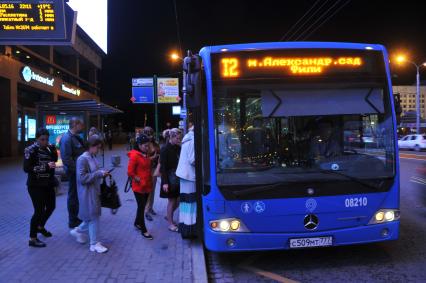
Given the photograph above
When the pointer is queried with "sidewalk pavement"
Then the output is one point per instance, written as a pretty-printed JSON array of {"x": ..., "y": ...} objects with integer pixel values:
[{"x": 131, "y": 258}]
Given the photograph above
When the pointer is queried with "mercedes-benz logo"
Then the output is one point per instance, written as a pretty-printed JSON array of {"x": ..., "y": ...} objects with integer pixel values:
[{"x": 311, "y": 222}]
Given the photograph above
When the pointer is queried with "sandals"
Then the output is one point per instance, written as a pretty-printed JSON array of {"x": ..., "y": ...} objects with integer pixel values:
[
  {"x": 165, "y": 218},
  {"x": 173, "y": 228}
]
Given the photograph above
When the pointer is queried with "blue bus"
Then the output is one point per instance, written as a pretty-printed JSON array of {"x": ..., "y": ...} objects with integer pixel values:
[{"x": 295, "y": 143}]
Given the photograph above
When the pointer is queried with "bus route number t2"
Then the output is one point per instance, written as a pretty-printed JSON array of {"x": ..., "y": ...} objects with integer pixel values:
[{"x": 229, "y": 67}]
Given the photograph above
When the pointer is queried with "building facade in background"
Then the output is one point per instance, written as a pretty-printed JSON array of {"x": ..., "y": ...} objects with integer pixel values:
[
  {"x": 31, "y": 74},
  {"x": 408, "y": 98}
]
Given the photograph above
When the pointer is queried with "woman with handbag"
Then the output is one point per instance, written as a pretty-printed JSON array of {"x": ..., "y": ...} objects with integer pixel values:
[
  {"x": 139, "y": 169},
  {"x": 170, "y": 184},
  {"x": 89, "y": 179}
]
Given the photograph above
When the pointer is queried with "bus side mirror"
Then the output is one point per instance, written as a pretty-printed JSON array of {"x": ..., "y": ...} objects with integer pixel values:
[{"x": 192, "y": 79}]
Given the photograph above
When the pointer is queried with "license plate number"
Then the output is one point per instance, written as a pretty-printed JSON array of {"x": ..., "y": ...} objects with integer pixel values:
[{"x": 311, "y": 242}]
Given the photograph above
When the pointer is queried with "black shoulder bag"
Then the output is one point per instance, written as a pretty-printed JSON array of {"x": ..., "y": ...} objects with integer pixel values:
[
  {"x": 109, "y": 195},
  {"x": 128, "y": 185}
]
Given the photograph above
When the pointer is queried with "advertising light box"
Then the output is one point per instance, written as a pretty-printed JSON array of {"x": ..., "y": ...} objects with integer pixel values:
[{"x": 57, "y": 125}]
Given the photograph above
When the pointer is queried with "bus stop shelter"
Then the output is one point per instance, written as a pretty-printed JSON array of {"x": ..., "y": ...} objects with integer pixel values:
[
  {"x": 55, "y": 116},
  {"x": 84, "y": 109}
]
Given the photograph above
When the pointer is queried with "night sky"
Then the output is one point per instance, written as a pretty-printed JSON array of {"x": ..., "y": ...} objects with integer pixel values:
[{"x": 143, "y": 33}]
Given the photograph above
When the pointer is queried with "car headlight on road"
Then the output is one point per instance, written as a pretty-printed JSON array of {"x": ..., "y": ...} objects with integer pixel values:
[
  {"x": 385, "y": 215},
  {"x": 228, "y": 225}
]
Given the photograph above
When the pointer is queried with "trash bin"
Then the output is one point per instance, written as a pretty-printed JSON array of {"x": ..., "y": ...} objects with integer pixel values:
[{"x": 115, "y": 160}]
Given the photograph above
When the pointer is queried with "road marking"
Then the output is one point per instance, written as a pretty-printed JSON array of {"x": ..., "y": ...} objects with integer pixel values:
[
  {"x": 413, "y": 181},
  {"x": 247, "y": 265},
  {"x": 418, "y": 180},
  {"x": 412, "y": 156}
]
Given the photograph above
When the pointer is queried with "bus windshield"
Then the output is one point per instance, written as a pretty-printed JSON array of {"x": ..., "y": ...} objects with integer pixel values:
[{"x": 270, "y": 134}]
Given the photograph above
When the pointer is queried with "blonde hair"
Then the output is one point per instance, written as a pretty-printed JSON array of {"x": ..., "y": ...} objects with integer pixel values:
[
  {"x": 166, "y": 134},
  {"x": 174, "y": 132}
]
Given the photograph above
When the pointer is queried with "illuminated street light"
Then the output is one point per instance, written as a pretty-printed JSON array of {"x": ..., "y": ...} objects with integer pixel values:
[
  {"x": 174, "y": 56},
  {"x": 402, "y": 59}
]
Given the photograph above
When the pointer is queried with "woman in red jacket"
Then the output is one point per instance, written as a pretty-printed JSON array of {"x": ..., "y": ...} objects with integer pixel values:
[{"x": 139, "y": 169}]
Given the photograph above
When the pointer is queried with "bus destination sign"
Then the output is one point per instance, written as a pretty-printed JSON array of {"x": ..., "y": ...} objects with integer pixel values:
[{"x": 290, "y": 63}]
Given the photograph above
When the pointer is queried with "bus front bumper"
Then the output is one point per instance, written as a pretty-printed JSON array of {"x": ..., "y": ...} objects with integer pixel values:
[{"x": 234, "y": 242}]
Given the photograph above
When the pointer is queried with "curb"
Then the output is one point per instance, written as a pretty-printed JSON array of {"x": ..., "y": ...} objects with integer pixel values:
[{"x": 199, "y": 267}]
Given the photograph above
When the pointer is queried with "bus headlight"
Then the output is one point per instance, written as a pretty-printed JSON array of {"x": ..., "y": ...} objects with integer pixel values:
[
  {"x": 385, "y": 215},
  {"x": 224, "y": 225},
  {"x": 228, "y": 225}
]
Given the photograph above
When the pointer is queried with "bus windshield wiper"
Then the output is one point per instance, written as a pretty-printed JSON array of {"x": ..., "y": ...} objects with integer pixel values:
[
  {"x": 257, "y": 189},
  {"x": 352, "y": 178},
  {"x": 272, "y": 186}
]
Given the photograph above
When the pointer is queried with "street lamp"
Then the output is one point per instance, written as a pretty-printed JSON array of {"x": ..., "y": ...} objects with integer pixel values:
[
  {"x": 175, "y": 57},
  {"x": 400, "y": 59}
]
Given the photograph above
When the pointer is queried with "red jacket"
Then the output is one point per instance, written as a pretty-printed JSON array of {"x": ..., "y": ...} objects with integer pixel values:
[{"x": 140, "y": 166}]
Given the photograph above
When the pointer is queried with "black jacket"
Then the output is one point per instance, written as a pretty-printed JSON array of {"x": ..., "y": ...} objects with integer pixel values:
[
  {"x": 169, "y": 159},
  {"x": 36, "y": 165},
  {"x": 72, "y": 146}
]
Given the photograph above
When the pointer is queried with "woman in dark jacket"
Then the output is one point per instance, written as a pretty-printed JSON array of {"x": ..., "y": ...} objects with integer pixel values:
[
  {"x": 170, "y": 187},
  {"x": 39, "y": 163}
]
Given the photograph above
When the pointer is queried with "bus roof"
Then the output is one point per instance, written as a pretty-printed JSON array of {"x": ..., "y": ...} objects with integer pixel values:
[{"x": 290, "y": 45}]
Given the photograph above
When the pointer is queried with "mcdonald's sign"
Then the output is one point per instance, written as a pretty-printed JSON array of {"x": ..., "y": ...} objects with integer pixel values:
[{"x": 50, "y": 119}]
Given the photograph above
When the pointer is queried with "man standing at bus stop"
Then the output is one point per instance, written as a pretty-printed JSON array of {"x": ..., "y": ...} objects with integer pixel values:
[{"x": 72, "y": 146}]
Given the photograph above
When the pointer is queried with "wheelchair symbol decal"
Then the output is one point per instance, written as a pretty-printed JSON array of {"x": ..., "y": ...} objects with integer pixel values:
[{"x": 259, "y": 206}]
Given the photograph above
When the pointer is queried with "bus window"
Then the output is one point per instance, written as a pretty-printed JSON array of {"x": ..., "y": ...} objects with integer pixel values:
[{"x": 287, "y": 144}]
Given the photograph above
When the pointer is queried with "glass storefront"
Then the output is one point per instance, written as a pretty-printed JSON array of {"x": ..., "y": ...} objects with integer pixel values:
[{"x": 27, "y": 117}]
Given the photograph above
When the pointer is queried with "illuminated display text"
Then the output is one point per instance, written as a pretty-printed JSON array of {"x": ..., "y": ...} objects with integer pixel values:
[
  {"x": 27, "y": 17},
  {"x": 230, "y": 67}
]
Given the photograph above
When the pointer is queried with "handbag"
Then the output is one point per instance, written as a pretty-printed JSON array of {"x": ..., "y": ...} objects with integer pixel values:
[
  {"x": 128, "y": 185},
  {"x": 174, "y": 182},
  {"x": 109, "y": 195}
]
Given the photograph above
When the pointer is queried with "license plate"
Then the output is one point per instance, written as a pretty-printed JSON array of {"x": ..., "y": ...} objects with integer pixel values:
[{"x": 311, "y": 242}]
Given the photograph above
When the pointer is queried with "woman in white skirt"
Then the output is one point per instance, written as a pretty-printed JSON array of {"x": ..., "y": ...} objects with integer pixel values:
[{"x": 188, "y": 201}]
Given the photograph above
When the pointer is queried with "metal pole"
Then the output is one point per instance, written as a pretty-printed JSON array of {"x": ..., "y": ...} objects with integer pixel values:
[
  {"x": 184, "y": 92},
  {"x": 103, "y": 138},
  {"x": 418, "y": 101},
  {"x": 156, "y": 108},
  {"x": 185, "y": 126}
]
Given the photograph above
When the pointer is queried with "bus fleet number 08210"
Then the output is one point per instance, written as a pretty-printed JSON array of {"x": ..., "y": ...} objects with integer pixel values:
[{"x": 356, "y": 202}]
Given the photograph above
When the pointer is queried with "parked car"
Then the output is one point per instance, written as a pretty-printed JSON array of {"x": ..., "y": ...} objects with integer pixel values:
[{"x": 413, "y": 142}]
